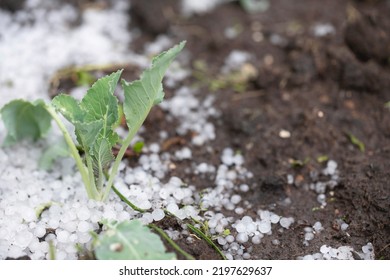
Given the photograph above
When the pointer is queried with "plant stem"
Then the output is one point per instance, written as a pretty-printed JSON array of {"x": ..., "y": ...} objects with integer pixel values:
[
  {"x": 92, "y": 193},
  {"x": 125, "y": 200},
  {"x": 171, "y": 242},
  {"x": 126, "y": 143},
  {"x": 207, "y": 239}
]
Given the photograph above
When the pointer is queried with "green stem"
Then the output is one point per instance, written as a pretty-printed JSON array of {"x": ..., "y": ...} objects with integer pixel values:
[
  {"x": 92, "y": 185},
  {"x": 171, "y": 242},
  {"x": 125, "y": 200},
  {"x": 121, "y": 153},
  {"x": 75, "y": 153},
  {"x": 207, "y": 239}
]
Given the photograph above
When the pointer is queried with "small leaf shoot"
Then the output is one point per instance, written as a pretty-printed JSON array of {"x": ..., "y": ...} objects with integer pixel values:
[
  {"x": 354, "y": 140},
  {"x": 94, "y": 118}
]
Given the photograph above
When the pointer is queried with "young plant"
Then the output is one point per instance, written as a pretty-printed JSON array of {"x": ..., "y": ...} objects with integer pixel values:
[{"x": 94, "y": 119}]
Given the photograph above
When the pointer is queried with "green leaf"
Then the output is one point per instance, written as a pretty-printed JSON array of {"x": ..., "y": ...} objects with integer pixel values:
[
  {"x": 24, "y": 119},
  {"x": 102, "y": 155},
  {"x": 354, "y": 140},
  {"x": 59, "y": 149},
  {"x": 68, "y": 107},
  {"x": 100, "y": 102},
  {"x": 130, "y": 240},
  {"x": 137, "y": 147},
  {"x": 141, "y": 95},
  {"x": 87, "y": 134}
]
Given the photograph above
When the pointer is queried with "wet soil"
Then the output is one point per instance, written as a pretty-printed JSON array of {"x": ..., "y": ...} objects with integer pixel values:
[{"x": 320, "y": 89}]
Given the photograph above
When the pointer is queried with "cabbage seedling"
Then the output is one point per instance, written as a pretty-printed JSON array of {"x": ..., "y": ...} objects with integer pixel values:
[{"x": 94, "y": 119}]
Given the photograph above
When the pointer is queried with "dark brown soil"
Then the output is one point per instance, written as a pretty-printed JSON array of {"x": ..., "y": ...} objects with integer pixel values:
[{"x": 320, "y": 89}]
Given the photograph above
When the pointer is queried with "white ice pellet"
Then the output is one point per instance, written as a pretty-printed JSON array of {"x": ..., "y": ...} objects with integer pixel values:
[
  {"x": 256, "y": 239},
  {"x": 274, "y": 218},
  {"x": 44, "y": 246},
  {"x": 212, "y": 223},
  {"x": 230, "y": 238},
  {"x": 265, "y": 215},
  {"x": 15, "y": 252},
  {"x": 242, "y": 237},
  {"x": 239, "y": 210},
  {"x": 172, "y": 207},
  {"x": 235, "y": 198},
  {"x": 73, "y": 238},
  {"x": 111, "y": 214},
  {"x": 231, "y": 175},
  {"x": 244, "y": 187},
  {"x": 286, "y": 222},
  {"x": 62, "y": 236},
  {"x": 198, "y": 140},
  {"x": 247, "y": 220},
  {"x": 318, "y": 226},
  {"x": 368, "y": 248},
  {"x": 246, "y": 256},
  {"x": 83, "y": 213},
  {"x": 323, "y": 29},
  {"x": 83, "y": 226},
  {"x": 22, "y": 239},
  {"x": 219, "y": 228},
  {"x": 53, "y": 223},
  {"x": 275, "y": 242},
  {"x": 229, "y": 206},
  {"x": 330, "y": 168},
  {"x": 29, "y": 215},
  {"x": 202, "y": 168},
  {"x": 83, "y": 237},
  {"x": 158, "y": 214},
  {"x": 184, "y": 153},
  {"x": 181, "y": 214},
  {"x": 333, "y": 252},
  {"x": 70, "y": 226},
  {"x": 290, "y": 179},
  {"x": 251, "y": 227},
  {"x": 344, "y": 226},
  {"x": 309, "y": 236},
  {"x": 308, "y": 229},
  {"x": 221, "y": 240},
  {"x": 163, "y": 193},
  {"x": 264, "y": 227},
  {"x": 39, "y": 231},
  {"x": 154, "y": 148},
  {"x": 324, "y": 249},
  {"x": 60, "y": 255},
  {"x": 178, "y": 194},
  {"x": 34, "y": 244},
  {"x": 240, "y": 227},
  {"x": 321, "y": 198}
]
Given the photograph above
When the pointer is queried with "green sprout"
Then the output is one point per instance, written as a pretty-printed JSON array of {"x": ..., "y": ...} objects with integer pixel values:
[{"x": 94, "y": 119}]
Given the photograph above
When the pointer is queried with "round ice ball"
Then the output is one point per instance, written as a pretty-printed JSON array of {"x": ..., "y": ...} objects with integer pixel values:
[
  {"x": 264, "y": 227},
  {"x": 242, "y": 237},
  {"x": 83, "y": 213},
  {"x": 158, "y": 214}
]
